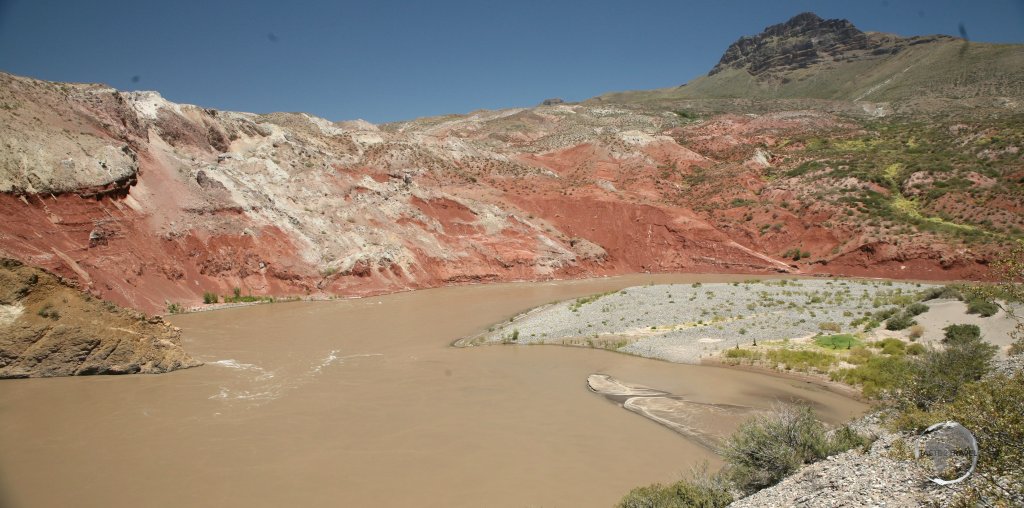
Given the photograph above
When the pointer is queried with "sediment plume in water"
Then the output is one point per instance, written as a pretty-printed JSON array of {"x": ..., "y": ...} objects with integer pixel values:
[{"x": 703, "y": 423}]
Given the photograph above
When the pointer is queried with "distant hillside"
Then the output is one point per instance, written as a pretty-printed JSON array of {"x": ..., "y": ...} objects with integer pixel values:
[
  {"x": 811, "y": 58},
  {"x": 158, "y": 205}
]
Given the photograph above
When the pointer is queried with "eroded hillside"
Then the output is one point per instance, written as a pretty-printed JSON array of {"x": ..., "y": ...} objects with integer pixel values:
[{"x": 148, "y": 202}]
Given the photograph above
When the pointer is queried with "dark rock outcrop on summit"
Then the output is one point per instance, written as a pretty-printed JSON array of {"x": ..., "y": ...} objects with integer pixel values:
[{"x": 797, "y": 43}]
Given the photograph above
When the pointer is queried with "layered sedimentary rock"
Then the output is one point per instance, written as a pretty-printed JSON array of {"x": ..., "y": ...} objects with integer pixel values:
[
  {"x": 147, "y": 202},
  {"x": 49, "y": 328}
]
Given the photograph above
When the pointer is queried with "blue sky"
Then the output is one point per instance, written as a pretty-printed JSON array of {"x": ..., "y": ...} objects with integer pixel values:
[{"x": 388, "y": 60}]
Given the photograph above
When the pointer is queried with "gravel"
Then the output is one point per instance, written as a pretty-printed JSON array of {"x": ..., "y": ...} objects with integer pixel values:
[
  {"x": 882, "y": 476},
  {"x": 685, "y": 322}
]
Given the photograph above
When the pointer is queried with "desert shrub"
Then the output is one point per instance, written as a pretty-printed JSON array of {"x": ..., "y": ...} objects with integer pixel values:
[
  {"x": 993, "y": 410},
  {"x": 701, "y": 491},
  {"x": 174, "y": 308},
  {"x": 47, "y": 311},
  {"x": 248, "y": 299},
  {"x": 915, "y": 309},
  {"x": 769, "y": 447},
  {"x": 209, "y": 297},
  {"x": 983, "y": 307},
  {"x": 845, "y": 438},
  {"x": 941, "y": 373},
  {"x": 742, "y": 353},
  {"x": 859, "y": 355},
  {"x": 884, "y": 314},
  {"x": 915, "y": 349},
  {"x": 894, "y": 348},
  {"x": 941, "y": 292},
  {"x": 800, "y": 360},
  {"x": 841, "y": 341},
  {"x": 916, "y": 331},
  {"x": 890, "y": 346},
  {"x": 879, "y": 375},
  {"x": 900, "y": 322},
  {"x": 959, "y": 334},
  {"x": 829, "y": 326}
]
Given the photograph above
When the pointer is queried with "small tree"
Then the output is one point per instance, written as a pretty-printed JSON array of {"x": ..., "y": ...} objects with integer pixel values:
[
  {"x": 1009, "y": 272},
  {"x": 941, "y": 373}
]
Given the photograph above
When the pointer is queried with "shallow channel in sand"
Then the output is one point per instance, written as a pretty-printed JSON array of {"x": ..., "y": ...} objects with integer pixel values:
[{"x": 363, "y": 403}]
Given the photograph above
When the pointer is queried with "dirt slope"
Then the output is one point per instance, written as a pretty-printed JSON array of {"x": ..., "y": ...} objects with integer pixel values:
[{"x": 48, "y": 328}]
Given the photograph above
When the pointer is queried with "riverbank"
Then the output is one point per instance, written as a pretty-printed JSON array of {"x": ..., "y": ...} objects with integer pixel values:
[{"x": 684, "y": 323}]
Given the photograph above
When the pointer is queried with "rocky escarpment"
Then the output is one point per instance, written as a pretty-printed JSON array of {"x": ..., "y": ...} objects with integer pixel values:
[
  {"x": 166, "y": 201},
  {"x": 808, "y": 41},
  {"x": 797, "y": 43},
  {"x": 48, "y": 328}
]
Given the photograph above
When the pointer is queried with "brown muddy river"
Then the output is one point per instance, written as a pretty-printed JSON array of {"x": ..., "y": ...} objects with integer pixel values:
[{"x": 363, "y": 403}]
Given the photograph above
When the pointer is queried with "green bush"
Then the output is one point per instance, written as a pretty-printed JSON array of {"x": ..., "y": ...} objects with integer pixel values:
[
  {"x": 993, "y": 410},
  {"x": 915, "y": 349},
  {"x": 915, "y": 309},
  {"x": 961, "y": 334},
  {"x": 829, "y": 326},
  {"x": 209, "y": 297},
  {"x": 859, "y": 355},
  {"x": 900, "y": 322},
  {"x": 712, "y": 493},
  {"x": 174, "y": 308},
  {"x": 890, "y": 346},
  {"x": 941, "y": 373},
  {"x": 941, "y": 292},
  {"x": 894, "y": 348},
  {"x": 742, "y": 353},
  {"x": 47, "y": 311},
  {"x": 879, "y": 375},
  {"x": 769, "y": 447},
  {"x": 841, "y": 341},
  {"x": 982, "y": 307},
  {"x": 800, "y": 360}
]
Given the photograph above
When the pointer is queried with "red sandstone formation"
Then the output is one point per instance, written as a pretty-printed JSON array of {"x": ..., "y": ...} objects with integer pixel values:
[{"x": 146, "y": 202}]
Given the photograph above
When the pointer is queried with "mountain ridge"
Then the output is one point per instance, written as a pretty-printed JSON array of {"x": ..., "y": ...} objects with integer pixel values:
[
  {"x": 809, "y": 58},
  {"x": 149, "y": 202}
]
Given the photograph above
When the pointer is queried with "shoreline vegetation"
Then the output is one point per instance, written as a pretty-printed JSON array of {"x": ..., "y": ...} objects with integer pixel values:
[
  {"x": 920, "y": 353},
  {"x": 227, "y": 301}
]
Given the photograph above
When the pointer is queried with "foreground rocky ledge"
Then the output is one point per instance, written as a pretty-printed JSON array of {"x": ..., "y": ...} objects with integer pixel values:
[{"x": 49, "y": 328}]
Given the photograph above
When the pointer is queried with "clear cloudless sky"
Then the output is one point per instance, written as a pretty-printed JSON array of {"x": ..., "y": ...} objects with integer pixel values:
[{"x": 386, "y": 60}]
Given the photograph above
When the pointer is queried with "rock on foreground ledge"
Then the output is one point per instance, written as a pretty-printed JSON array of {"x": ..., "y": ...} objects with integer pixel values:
[{"x": 49, "y": 328}]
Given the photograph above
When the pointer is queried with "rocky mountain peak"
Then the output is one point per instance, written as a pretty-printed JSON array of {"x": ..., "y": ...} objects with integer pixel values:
[{"x": 803, "y": 40}]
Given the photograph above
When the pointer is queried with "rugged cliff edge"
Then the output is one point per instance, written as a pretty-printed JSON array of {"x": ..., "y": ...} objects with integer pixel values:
[
  {"x": 803, "y": 40},
  {"x": 49, "y": 328}
]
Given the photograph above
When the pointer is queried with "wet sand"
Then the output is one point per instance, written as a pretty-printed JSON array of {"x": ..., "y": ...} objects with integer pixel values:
[{"x": 363, "y": 402}]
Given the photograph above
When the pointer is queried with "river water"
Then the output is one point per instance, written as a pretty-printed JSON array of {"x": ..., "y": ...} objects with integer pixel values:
[{"x": 363, "y": 403}]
